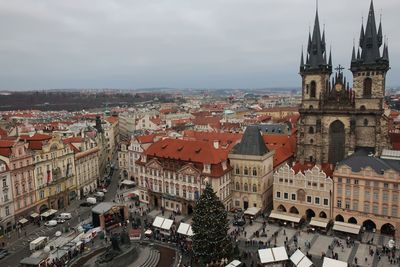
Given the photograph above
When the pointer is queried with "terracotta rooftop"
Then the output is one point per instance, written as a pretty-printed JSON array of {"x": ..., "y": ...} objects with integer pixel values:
[{"x": 187, "y": 150}]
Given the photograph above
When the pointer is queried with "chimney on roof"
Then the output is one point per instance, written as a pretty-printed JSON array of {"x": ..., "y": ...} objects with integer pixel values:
[{"x": 216, "y": 144}]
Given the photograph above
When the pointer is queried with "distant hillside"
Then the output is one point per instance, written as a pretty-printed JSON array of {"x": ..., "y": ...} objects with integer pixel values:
[{"x": 72, "y": 101}]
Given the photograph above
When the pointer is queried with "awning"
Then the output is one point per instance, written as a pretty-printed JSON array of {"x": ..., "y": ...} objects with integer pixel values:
[
  {"x": 328, "y": 262},
  {"x": 23, "y": 221},
  {"x": 347, "y": 227},
  {"x": 319, "y": 222},
  {"x": 271, "y": 255},
  {"x": 128, "y": 182},
  {"x": 185, "y": 229},
  {"x": 48, "y": 213},
  {"x": 158, "y": 221},
  {"x": 234, "y": 263},
  {"x": 253, "y": 211},
  {"x": 285, "y": 216},
  {"x": 34, "y": 215},
  {"x": 167, "y": 224},
  {"x": 300, "y": 260},
  {"x": 162, "y": 223}
]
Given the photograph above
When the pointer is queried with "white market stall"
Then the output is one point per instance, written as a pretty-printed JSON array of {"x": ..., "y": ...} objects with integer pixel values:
[
  {"x": 273, "y": 256},
  {"x": 163, "y": 224},
  {"x": 252, "y": 212},
  {"x": 300, "y": 260},
  {"x": 295, "y": 219},
  {"x": 349, "y": 228},
  {"x": 48, "y": 214},
  {"x": 234, "y": 263},
  {"x": 185, "y": 229},
  {"x": 328, "y": 262}
]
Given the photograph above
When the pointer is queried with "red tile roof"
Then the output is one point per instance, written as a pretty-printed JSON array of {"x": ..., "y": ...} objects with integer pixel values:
[
  {"x": 326, "y": 167},
  {"x": 187, "y": 150},
  {"x": 144, "y": 139},
  {"x": 156, "y": 120},
  {"x": 3, "y": 132},
  {"x": 35, "y": 137},
  {"x": 5, "y": 147},
  {"x": 226, "y": 140},
  {"x": 112, "y": 119}
]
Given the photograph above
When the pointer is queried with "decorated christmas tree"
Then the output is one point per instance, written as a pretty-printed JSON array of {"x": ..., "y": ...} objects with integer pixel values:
[{"x": 210, "y": 227}]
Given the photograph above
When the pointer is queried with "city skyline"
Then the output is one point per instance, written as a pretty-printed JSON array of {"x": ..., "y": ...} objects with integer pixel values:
[{"x": 193, "y": 45}]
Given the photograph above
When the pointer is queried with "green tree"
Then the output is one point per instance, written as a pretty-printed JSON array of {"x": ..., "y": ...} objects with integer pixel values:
[{"x": 210, "y": 227}]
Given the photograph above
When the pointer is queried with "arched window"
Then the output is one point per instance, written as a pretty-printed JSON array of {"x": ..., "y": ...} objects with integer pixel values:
[
  {"x": 254, "y": 171},
  {"x": 365, "y": 122},
  {"x": 246, "y": 187},
  {"x": 237, "y": 186},
  {"x": 362, "y": 108},
  {"x": 367, "y": 92},
  {"x": 246, "y": 171},
  {"x": 237, "y": 170},
  {"x": 313, "y": 89},
  {"x": 254, "y": 188},
  {"x": 311, "y": 107},
  {"x": 311, "y": 158},
  {"x": 311, "y": 141},
  {"x": 311, "y": 130}
]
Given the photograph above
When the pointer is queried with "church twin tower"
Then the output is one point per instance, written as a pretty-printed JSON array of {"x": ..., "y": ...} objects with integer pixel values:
[{"x": 336, "y": 120}]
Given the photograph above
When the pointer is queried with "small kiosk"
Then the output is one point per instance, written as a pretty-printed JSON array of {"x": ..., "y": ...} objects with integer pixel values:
[
  {"x": 300, "y": 260},
  {"x": 273, "y": 256}
]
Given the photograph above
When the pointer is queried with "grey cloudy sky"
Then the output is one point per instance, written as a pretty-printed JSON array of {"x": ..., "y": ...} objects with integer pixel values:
[{"x": 186, "y": 43}]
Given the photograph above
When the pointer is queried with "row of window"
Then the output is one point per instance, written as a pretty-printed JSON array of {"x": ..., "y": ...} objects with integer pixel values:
[
  {"x": 367, "y": 206},
  {"x": 246, "y": 171},
  {"x": 368, "y": 183},
  {"x": 309, "y": 199},
  {"x": 245, "y": 187}
]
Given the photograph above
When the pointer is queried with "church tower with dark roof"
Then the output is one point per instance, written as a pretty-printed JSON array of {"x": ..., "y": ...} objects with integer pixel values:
[{"x": 335, "y": 119}]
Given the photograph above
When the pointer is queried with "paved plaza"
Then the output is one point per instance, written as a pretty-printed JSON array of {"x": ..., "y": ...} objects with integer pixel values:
[{"x": 364, "y": 252}]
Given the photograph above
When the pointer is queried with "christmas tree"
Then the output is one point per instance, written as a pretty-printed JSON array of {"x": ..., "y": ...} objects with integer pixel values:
[{"x": 210, "y": 227}]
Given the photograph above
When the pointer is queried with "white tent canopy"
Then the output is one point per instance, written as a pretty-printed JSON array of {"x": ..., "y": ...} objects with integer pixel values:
[
  {"x": 128, "y": 182},
  {"x": 328, "y": 262},
  {"x": 285, "y": 216},
  {"x": 234, "y": 263},
  {"x": 300, "y": 260},
  {"x": 347, "y": 227},
  {"x": 185, "y": 229},
  {"x": 48, "y": 213},
  {"x": 319, "y": 222},
  {"x": 162, "y": 223},
  {"x": 253, "y": 211},
  {"x": 271, "y": 255}
]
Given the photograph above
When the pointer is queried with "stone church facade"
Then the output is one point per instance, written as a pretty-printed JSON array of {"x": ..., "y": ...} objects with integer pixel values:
[{"x": 336, "y": 120}]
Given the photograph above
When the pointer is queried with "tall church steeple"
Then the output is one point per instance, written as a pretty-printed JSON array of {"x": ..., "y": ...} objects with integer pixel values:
[
  {"x": 370, "y": 44},
  {"x": 316, "y": 51}
]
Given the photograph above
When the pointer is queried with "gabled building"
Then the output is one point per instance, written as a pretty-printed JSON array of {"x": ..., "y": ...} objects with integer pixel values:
[
  {"x": 20, "y": 160},
  {"x": 303, "y": 189},
  {"x": 54, "y": 171},
  {"x": 86, "y": 154},
  {"x": 175, "y": 172},
  {"x": 252, "y": 164},
  {"x": 6, "y": 206}
]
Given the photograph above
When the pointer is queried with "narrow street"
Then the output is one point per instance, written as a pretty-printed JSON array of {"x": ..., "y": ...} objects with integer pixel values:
[{"x": 18, "y": 246}]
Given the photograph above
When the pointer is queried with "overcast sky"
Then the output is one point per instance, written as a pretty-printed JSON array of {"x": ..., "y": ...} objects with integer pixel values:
[{"x": 171, "y": 43}]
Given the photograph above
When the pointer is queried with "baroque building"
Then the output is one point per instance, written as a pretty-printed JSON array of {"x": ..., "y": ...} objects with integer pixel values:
[
  {"x": 336, "y": 120},
  {"x": 366, "y": 191}
]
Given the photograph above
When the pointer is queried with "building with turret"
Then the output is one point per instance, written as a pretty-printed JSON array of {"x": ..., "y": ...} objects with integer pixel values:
[{"x": 336, "y": 120}]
